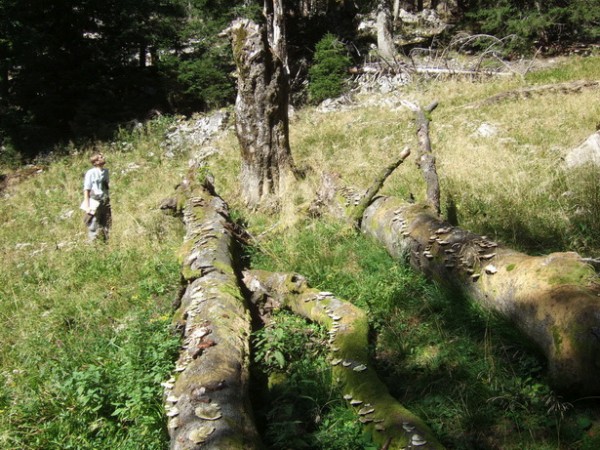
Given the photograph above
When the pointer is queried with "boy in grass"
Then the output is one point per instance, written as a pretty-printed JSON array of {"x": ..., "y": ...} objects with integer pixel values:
[{"x": 96, "y": 199}]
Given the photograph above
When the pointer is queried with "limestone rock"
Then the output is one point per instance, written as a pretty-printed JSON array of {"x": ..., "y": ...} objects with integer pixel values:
[{"x": 587, "y": 152}]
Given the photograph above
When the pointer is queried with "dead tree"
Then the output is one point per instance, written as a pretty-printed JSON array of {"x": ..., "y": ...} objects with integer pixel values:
[
  {"x": 207, "y": 398},
  {"x": 425, "y": 158},
  {"x": 385, "y": 32},
  {"x": 554, "y": 300},
  {"x": 261, "y": 110}
]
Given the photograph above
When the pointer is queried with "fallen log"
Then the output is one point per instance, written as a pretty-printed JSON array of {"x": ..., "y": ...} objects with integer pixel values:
[
  {"x": 207, "y": 398},
  {"x": 571, "y": 87},
  {"x": 554, "y": 300},
  {"x": 387, "y": 420}
]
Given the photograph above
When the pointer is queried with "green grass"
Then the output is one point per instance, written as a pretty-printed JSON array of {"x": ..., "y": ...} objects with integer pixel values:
[
  {"x": 86, "y": 328},
  {"x": 573, "y": 68}
]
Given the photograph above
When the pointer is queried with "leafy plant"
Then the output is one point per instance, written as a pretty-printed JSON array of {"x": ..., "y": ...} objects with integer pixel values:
[{"x": 328, "y": 76}]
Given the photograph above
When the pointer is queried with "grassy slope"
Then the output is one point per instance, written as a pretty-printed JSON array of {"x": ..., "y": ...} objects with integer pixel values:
[{"x": 84, "y": 328}]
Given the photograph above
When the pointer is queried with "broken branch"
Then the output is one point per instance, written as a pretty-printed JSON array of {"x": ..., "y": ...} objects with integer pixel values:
[
  {"x": 366, "y": 199},
  {"x": 426, "y": 159}
]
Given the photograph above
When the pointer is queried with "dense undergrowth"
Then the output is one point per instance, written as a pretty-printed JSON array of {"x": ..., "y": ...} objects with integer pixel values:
[{"x": 86, "y": 328}]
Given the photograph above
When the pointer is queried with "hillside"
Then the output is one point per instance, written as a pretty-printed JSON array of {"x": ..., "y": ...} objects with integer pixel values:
[{"x": 87, "y": 329}]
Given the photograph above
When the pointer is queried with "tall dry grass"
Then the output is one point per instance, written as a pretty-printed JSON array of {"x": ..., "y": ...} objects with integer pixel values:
[{"x": 500, "y": 165}]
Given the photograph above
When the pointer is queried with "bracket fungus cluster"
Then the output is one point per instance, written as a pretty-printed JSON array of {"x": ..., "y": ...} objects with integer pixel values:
[
  {"x": 554, "y": 299},
  {"x": 206, "y": 400}
]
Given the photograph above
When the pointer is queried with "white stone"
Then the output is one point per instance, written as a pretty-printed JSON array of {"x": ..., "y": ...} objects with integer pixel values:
[{"x": 587, "y": 152}]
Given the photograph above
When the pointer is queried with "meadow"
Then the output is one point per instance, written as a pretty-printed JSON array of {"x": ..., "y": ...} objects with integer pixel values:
[{"x": 86, "y": 329}]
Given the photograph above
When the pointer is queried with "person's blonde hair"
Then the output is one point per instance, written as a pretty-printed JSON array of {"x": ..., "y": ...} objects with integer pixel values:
[{"x": 96, "y": 157}]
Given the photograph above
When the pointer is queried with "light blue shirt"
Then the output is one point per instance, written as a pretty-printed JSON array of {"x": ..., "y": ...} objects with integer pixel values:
[{"x": 96, "y": 181}]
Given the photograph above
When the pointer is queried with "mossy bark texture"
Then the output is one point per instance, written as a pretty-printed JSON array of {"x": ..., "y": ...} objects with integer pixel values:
[
  {"x": 206, "y": 400},
  {"x": 391, "y": 425},
  {"x": 554, "y": 300},
  {"x": 261, "y": 113}
]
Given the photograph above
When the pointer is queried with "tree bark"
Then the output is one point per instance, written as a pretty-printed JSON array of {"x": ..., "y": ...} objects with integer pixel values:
[
  {"x": 261, "y": 108},
  {"x": 388, "y": 421},
  {"x": 207, "y": 398},
  {"x": 553, "y": 300},
  {"x": 425, "y": 158},
  {"x": 385, "y": 31},
  {"x": 276, "y": 31}
]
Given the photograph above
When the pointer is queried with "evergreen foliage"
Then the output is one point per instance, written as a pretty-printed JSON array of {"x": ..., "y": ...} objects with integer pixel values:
[
  {"x": 536, "y": 24},
  {"x": 81, "y": 69},
  {"x": 328, "y": 75}
]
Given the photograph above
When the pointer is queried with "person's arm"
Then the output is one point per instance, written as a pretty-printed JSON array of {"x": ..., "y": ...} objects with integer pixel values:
[
  {"x": 86, "y": 200},
  {"x": 87, "y": 189}
]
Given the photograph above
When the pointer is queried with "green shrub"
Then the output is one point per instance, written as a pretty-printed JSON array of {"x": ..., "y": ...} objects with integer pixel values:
[{"x": 328, "y": 75}]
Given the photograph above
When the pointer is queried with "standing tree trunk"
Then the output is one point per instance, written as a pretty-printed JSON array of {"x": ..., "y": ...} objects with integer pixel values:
[
  {"x": 276, "y": 34},
  {"x": 261, "y": 107},
  {"x": 385, "y": 41}
]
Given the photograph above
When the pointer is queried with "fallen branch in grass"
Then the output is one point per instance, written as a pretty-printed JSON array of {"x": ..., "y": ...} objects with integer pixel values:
[{"x": 386, "y": 419}]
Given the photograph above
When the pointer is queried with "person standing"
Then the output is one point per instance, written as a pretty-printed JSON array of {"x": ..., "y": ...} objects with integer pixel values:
[{"x": 96, "y": 189}]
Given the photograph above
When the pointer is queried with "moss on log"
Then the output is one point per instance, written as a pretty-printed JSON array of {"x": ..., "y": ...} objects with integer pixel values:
[
  {"x": 553, "y": 299},
  {"x": 389, "y": 422},
  {"x": 206, "y": 400}
]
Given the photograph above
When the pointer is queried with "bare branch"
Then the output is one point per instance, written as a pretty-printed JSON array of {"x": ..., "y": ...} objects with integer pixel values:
[
  {"x": 426, "y": 159},
  {"x": 365, "y": 201}
]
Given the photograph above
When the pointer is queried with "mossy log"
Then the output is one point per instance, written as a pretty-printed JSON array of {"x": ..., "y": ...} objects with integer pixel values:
[
  {"x": 554, "y": 300},
  {"x": 206, "y": 400},
  {"x": 391, "y": 425},
  {"x": 571, "y": 87}
]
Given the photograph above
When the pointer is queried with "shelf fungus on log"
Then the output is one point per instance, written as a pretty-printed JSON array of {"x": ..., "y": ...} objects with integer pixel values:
[
  {"x": 554, "y": 300},
  {"x": 206, "y": 400},
  {"x": 376, "y": 408}
]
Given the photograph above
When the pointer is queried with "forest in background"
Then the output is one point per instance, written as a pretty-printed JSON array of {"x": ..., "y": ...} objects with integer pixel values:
[{"x": 78, "y": 70}]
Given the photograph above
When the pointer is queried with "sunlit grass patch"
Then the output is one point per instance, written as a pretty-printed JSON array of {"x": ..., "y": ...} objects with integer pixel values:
[{"x": 87, "y": 327}]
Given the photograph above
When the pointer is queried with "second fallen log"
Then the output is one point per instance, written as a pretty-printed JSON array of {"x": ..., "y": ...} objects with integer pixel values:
[{"x": 554, "y": 300}]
